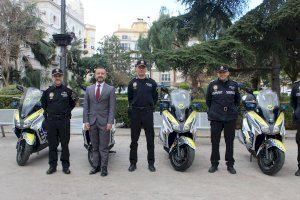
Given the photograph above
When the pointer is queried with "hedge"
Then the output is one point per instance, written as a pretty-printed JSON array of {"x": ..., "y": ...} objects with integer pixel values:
[{"x": 122, "y": 110}]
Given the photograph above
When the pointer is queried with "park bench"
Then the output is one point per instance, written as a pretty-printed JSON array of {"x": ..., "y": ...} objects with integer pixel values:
[{"x": 6, "y": 119}]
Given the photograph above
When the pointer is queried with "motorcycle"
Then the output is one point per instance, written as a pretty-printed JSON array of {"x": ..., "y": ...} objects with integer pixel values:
[
  {"x": 88, "y": 143},
  {"x": 29, "y": 127},
  {"x": 263, "y": 130},
  {"x": 178, "y": 129}
]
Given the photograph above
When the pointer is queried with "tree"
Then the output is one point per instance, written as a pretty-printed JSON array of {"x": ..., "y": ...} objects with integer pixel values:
[
  {"x": 81, "y": 66},
  {"x": 19, "y": 25},
  {"x": 117, "y": 59},
  {"x": 266, "y": 30},
  {"x": 206, "y": 19}
]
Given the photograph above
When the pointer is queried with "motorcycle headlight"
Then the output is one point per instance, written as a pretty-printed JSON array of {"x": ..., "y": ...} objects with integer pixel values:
[
  {"x": 276, "y": 129},
  {"x": 187, "y": 127},
  {"x": 265, "y": 129},
  {"x": 176, "y": 127}
]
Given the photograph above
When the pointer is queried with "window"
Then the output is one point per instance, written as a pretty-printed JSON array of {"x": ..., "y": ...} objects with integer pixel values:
[
  {"x": 166, "y": 77},
  {"x": 124, "y": 37},
  {"x": 125, "y": 46}
]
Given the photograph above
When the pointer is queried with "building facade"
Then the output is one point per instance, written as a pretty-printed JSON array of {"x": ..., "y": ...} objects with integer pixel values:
[{"x": 89, "y": 39}]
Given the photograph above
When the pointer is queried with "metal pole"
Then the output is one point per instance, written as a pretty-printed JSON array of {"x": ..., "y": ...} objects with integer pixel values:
[{"x": 63, "y": 49}]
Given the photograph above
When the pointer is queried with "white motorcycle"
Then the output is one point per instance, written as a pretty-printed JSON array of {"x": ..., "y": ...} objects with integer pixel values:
[
  {"x": 263, "y": 130},
  {"x": 178, "y": 129}
]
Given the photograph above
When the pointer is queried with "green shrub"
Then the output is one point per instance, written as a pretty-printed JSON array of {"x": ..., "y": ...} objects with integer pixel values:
[
  {"x": 10, "y": 90},
  {"x": 6, "y": 100}
]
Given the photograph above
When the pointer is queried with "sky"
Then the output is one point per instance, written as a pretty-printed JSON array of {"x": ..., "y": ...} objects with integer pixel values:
[{"x": 106, "y": 15}]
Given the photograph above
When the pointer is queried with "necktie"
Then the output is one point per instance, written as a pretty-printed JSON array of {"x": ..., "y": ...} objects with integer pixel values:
[{"x": 98, "y": 92}]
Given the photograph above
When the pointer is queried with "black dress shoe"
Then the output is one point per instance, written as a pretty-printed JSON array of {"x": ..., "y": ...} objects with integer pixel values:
[
  {"x": 132, "y": 167},
  {"x": 66, "y": 171},
  {"x": 231, "y": 170},
  {"x": 104, "y": 171},
  {"x": 213, "y": 169},
  {"x": 95, "y": 170},
  {"x": 51, "y": 170},
  {"x": 151, "y": 168},
  {"x": 297, "y": 173}
]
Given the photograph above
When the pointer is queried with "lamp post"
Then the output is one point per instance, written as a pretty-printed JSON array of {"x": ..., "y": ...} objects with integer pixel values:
[
  {"x": 63, "y": 40},
  {"x": 63, "y": 49}
]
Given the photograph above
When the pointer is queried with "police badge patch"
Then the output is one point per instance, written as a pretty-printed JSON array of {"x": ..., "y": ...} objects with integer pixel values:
[
  {"x": 64, "y": 94},
  {"x": 232, "y": 87},
  {"x": 51, "y": 95},
  {"x": 149, "y": 84},
  {"x": 215, "y": 87},
  {"x": 134, "y": 85}
]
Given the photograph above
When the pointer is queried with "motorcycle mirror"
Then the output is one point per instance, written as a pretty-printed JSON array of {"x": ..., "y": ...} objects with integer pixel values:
[
  {"x": 82, "y": 87},
  {"x": 20, "y": 88},
  {"x": 197, "y": 106},
  {"x": 14, "y": 104},
  {"x": 284, "y": 107}
]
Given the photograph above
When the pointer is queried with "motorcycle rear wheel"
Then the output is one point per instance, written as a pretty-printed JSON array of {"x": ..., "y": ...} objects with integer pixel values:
[
  {"x": 182, "y": 163},
  {"x": 271, "y": 167},
  {"x": 23, "y": 153}
]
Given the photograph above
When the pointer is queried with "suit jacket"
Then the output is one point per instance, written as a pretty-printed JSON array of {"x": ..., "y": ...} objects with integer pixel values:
[{"x": 102, "y": 111}]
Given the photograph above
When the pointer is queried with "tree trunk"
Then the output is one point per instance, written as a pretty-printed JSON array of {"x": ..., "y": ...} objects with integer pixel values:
[
  {"x": 255, "y": 82},
  {"x": 275, "y": 75}
]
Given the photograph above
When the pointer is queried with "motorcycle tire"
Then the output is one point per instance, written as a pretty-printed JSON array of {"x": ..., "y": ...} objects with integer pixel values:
[
  {"x": 23, "y": 153},
  {"x": 271, "y": 168},
  {"x": 182, "y": 164},
  {"x": 90, "y": 157}
]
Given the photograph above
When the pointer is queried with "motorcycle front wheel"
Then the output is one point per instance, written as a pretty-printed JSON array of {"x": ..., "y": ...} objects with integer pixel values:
[
  {"x": 183, "y": 161},
  {"x": 90, "y": 157},
  {"x": 275, "y": 162},
  {"x": 23, "y": 152}
]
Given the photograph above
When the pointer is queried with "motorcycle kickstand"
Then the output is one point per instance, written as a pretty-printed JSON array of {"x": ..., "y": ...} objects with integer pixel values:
[
  {"x": 112, "y": 152},
  {"x": 251, "y": 157}
]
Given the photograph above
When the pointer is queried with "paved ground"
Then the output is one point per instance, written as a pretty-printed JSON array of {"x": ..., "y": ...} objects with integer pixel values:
[{"x": 31, "y": 182}]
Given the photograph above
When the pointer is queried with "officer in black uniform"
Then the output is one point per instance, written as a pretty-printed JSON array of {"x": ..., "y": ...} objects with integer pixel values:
[
  {"x": 142, "y": 97},
  {"x": 295, "y": 102},
  {"x": 222, "y": 99},
  {"x": 58, "y": 101}
]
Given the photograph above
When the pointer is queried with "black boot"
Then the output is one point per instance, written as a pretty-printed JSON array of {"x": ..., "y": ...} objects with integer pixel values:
[
  {"x": 132, "y": 167},
  {"x": 231, "y": 170},
  {"x": 213, "y": 169},
  {"x": 66, "y": 170},
  {"x": 104, "y": 171},
  {"x": 51, "y": 170},
  {"x": 95, "y": 170},
  {"x": 297, "y": 172},
  {"x": 151, "y": 168}
]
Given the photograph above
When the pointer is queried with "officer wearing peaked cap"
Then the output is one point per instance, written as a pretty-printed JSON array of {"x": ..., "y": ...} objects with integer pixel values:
[
  {"x": 142, "y": 97},
  {"x": 222, "y": 99},
  {"x": 58, "y": 101}
]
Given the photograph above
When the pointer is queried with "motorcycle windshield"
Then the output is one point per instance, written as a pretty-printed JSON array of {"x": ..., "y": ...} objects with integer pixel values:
[
  {"x": 268, "y": 101},
  {"x": 29, "y": 100},
  {"x": 180, "y": 100}
]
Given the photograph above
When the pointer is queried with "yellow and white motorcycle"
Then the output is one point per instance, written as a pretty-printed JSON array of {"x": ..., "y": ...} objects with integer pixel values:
[
  {"x": 29, "y": 129},
  {"x": 178, "y": 129},
  {"x": 263, "y": 130}
]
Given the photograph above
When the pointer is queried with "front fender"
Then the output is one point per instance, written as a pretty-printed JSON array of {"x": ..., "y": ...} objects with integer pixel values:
[
  {"x": 29, "y": 138},
  {"x": 272, "y": 143},
  {"x": 185, "y": 140}
]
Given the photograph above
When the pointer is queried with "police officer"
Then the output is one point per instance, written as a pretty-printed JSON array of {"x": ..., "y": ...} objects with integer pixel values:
[
  {"x": 58, "y": 101},
  {"x": 142, "y": 97},
  {"x": 295, "y": 102},
  {"x": 222, "y": 99}
]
